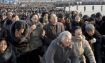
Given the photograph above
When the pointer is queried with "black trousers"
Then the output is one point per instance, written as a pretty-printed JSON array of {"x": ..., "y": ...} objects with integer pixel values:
[
  {"x": 23, "y": 58},
  {"x": 34, "y": 56}
]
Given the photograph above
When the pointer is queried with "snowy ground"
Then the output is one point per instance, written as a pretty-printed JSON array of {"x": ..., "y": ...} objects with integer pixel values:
[{"x": 97, "y": 8}]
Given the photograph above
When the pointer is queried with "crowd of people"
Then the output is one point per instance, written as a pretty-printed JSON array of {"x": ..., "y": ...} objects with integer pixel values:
[{"x": 52, "y": 37}]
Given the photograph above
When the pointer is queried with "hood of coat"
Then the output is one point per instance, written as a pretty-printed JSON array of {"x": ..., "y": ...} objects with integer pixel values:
[
  {"x": 7, "y": 53},
  {"x": 25, "y": 34}
]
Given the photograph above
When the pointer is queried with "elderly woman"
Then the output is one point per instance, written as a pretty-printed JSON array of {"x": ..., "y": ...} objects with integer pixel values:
[
  {"x": 7, "y": 54},
  {"x": 61, "y": 50},
  {"x": 82, "y": 46}
]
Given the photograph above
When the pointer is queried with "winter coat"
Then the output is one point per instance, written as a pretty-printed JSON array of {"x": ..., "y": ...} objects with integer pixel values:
[
  {"x": 101, "y": 50},
  {"x": 83, "y": 47},
  {"x": 35, "y": 35},
  {"x": 96, "y": 35},
  {"x": 21, "y": 45},
  {"x": 81, "y": 24},
  {"x": 98, "y": 26},
  {"x": 52, "y": 31},
  {"x": 8, "y": 56},
  {"x": 56, "y": 53}
]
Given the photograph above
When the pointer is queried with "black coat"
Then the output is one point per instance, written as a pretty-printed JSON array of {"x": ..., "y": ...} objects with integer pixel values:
[
  {"x": 81, "y": 24},
  {"x": 96, "y": 35},
  {"x": 52, "y": 31},
  {"x": 8, "y": 56},
  {"x": 102, "y": 28},
  {"x": 98, "y": 26},
  {"x": 21, "y": 45},
  {"x": 101, "y": 50}
]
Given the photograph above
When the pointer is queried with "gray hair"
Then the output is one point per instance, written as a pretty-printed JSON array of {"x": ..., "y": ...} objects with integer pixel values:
[
  {"x": 89, "y": 27},
  {"x": 62, "y": 35}
]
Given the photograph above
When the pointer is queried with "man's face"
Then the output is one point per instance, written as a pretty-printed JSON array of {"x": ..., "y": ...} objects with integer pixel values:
[
  {"x": 53, "y": 18},
  {"x": 99, "y": 18},
  {"x": 18, "y": 33},
  {"x": 66, "y": 41},
  {"x": 90, "y": 32},
  {"x": 3, "y": 45}
]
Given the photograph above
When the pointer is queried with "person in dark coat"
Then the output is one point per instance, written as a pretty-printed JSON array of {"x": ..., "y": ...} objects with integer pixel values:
[
  {"x": 91, "y": 35},
  {"x": 8, "y": 19},
  {"x": 103, "y": 26},
  {"x": 19, "y": 32},
  {"x": 61, "y": 50},
  {"x": 101, "y": 50},
  {"x": 7, "y": 54},
  {"x": 98, "y": 22},
  {"x": 52, "y": 29},
  {"x": 78, "y": 22},
  {"x": 66, "y": 22},
  {"x": 2, "y": 33}
]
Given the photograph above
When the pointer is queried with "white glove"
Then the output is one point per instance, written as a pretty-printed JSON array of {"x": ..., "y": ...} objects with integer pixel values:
[{"x": 93, "y": 40}]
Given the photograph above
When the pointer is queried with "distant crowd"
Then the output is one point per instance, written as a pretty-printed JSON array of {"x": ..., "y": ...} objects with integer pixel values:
[{"x": 51, "y": 35}]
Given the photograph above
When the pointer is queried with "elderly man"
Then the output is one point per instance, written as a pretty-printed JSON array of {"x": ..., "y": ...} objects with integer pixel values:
[
  {"x": 61, "y": 50},
  {"x": 91, "y": 34},
  {"x": 52, "y": 29}
]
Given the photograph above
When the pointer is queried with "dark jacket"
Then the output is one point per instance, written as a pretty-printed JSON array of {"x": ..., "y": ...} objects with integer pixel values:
[
  {"x": 21, "y": 45},
  {"x": 56, "y": 53},
  {"x": 8, "y": 56},
  {"x": 98, "y": 26},
  {"x": 96, "y": 35},
  {"x": 52, "y": 31},
  {"x": 1, "y": 29},
  {"x": 81, "y": 24},
  {"x": 101, "y": 50},
  {"x": 102, "y": 26}
]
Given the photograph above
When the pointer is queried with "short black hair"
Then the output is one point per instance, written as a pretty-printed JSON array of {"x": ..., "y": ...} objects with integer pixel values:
[
  {"x": 41, "y": 20},
  {"x": 103, "y": 18},
  {"x": 75, "y": 28},
  {"x": 2, "y": 39},
  {"x": 91, "y": 19},
  {"x": 43, "y": 13},
  {"x": 98, "y": 14},
  {"x": 33, "y": 15},
  {"x": 20, "y": 25},
  {"x": 61, "y": 15}
]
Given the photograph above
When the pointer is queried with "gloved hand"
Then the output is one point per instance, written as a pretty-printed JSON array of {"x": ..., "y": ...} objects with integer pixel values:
[{"x": 93, "y": 40}]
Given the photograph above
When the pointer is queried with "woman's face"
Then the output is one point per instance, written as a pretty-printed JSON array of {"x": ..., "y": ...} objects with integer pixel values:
[
  {"x": 77, "y": 18},
  {"x": 3, "y": 45},
  {"x": 18, "y": 33},
  {"x": 34, "y": 18},
  {"x": 78, "y": 33}
]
